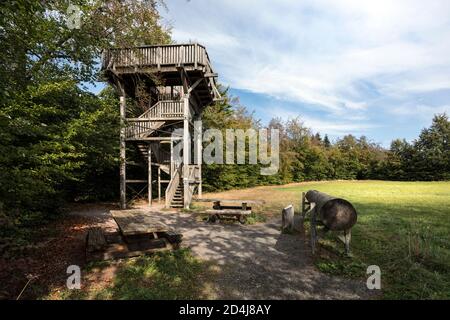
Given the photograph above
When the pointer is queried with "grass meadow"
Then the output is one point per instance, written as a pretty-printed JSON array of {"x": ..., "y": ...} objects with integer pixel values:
[{"x": 403, "y": 227}]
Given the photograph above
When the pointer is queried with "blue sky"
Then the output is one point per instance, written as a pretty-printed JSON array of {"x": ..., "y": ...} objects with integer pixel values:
[
  {"x": 375, "y": 68},
  {"x": 378, "y": 68}
]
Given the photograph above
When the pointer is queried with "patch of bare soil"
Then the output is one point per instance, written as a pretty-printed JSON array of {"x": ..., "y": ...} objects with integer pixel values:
[{"x": 40, "y": 268}]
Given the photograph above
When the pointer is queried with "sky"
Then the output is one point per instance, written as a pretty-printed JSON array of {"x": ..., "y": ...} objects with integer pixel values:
[{"x": 375, "y": 68}]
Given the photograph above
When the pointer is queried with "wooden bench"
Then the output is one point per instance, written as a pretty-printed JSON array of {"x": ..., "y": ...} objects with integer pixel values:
[
  {"x": 239, "y": 215},
  {"x": 234, "y": 211}
]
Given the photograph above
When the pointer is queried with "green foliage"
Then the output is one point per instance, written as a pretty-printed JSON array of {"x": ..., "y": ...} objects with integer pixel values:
[
  {"x": 58, "y": 141},
  {"x": 38, "y": 45}
]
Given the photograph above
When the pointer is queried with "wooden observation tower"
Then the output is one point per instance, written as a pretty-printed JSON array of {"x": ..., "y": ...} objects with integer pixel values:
[{"x": 163, "y": 90}]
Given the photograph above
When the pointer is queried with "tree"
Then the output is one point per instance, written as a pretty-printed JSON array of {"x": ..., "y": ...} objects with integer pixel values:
[
  {"x": 399, "y": 160},
  {"x": 326, "y": 142},
  {"x": 433, "y": 150},
  {"x": 59, "y": 142},
  {"x": 38, "y": 44}
]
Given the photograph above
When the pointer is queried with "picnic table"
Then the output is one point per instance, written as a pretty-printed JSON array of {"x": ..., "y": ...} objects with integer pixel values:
[
  {"x": 140, "y": 233},
  {"x": 234, "y": 209},
  {"x": 137, "y": 222}
]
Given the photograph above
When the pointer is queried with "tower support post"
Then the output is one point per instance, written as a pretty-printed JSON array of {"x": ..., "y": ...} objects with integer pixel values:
[
  {"x": 123, "y": 163},
  {"x": 199, "y": 152},
  {"x": 159, "y": 185},
  {"x": 149, "y": 175},
  {"x": 186, "y": 150}
]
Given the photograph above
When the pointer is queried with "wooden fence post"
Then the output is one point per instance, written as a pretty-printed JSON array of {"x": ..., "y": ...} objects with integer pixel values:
[{"x": 287, "y": 216}]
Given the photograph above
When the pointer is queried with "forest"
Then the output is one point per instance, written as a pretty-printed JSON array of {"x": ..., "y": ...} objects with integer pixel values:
[{"x": 59, "y": 141}]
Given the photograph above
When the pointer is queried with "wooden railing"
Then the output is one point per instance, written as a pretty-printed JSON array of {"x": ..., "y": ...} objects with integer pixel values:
[
  {"x": 168, "y": 96},
  {"x": 190, "y": 194},
  {"x": 193, "y": 178},
  {"x": 194, "y": 173},
  {"x": 173, "y": 185},
  {"x": 137, "y": 129},
  {"x": 156, "y": 56},
  {"x": 165, "y": 110},
  {"x": 161, "y": 111}
]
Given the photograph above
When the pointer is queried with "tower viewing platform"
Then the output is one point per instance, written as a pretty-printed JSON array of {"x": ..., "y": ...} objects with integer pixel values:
[{"x": 162, "y": 88}]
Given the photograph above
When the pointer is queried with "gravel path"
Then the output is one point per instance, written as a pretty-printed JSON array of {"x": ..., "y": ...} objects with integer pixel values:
[{"x": 255, "y": 261}]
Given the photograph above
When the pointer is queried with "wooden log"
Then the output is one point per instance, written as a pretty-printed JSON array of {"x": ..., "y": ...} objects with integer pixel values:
[
  {"x": 287, "y": 217},
  {"x": 335, "y": 213},
  {"x": 95, "y": 240}
]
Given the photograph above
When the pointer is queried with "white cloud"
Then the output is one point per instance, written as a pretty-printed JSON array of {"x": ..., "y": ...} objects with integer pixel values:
[
  {"x": 317, "y": 51},
  {"x": 419, "y": 111},
  {"x": 342, "y": 126}
]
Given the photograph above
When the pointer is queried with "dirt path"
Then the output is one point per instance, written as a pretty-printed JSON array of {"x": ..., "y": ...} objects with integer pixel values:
[{"x": 255, "y": 261}]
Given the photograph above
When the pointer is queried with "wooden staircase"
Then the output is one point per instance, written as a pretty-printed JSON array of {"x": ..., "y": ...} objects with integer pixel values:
[
  {"x": 140, "y": 130},
  {"x": 178, "y": 198},
  {"x": 163, "y": 160},
  {"x": 153, "y": 119}
]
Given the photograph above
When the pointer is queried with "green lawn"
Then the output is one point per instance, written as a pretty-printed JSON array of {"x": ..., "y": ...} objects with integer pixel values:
[{"x": 403, "y": 227}]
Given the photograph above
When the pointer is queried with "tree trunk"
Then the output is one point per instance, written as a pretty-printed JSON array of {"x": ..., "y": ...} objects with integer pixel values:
[{"x": 335, "y": 213}]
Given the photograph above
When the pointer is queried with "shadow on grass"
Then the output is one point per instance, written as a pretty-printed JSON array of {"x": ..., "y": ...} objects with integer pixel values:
[{"x": 166, "y": 275}]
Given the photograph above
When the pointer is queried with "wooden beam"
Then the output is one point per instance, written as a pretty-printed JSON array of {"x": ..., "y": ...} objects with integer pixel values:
[
  {"x": 195, "y": 85},
  {"x": 184, "y": 79},
  {"x": 199, "y": 153},
  {"x": 159, "y": 184},
  {"x": 155, "y": 139},
  {"x": 215, "y": 90},
  {"x": 149, "y": 175},
  {"x": 186, "y": 150},
  {"x": 153, "y": 119},
  {"x": 172, "y": 164},
  {"x": 123, "y": 198}
]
